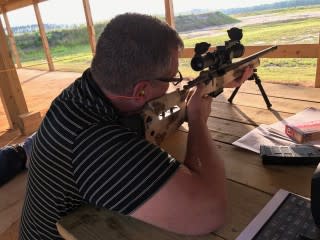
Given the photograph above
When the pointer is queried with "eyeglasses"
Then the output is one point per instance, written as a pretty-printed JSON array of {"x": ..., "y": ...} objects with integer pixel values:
[{"x": 175, "y": 80}]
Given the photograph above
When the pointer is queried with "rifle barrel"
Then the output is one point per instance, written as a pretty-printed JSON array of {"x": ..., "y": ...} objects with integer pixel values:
[
  {"x": 249, "y": 58},
  {"x": 227, "y": 68}
]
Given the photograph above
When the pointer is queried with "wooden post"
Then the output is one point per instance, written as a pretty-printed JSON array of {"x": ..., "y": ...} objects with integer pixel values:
[
  {"x": 317, "y": 81},
  {"x": 11, "y": 39},
  {"x": 169, "y": 13},
  {"x": 11, "y": 93},
  {"x": 43, "y": 37},
  {"x": 90, "y": 26}
]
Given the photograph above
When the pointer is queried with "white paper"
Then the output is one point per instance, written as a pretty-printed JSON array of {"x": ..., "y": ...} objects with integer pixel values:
[{"x": 274, "y": 134}]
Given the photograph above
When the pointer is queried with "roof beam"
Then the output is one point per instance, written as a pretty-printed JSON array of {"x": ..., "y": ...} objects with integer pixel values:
[
  {"x": 44, "y": 39},
  {"x": 10, "y": 5},
  {"x": 90, "y": 26},
  {"x": 169, "y": 13},
  {"x": 11, "y": 40}
]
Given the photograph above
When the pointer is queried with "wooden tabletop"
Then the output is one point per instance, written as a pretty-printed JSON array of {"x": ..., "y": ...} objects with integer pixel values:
[{"x": 250, "y": 184}]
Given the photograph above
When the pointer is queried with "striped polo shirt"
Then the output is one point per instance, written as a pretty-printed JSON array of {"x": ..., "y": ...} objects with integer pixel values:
[{"x": 81, "y": 154}]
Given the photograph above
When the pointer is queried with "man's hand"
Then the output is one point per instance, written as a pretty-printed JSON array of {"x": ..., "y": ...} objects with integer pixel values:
[
  {"x": 199, "y": 106},
  {"x": 248, "y": 71}
]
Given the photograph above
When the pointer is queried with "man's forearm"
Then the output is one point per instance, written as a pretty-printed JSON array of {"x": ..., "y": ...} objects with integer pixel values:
[
  {"x": 198, "y": 193},
  {"x": 202, "y": 156},
  {"x": 203, "y": 159}
]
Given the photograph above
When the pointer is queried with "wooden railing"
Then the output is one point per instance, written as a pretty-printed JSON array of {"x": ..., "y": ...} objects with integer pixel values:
[{"x": 283, "y": 51}]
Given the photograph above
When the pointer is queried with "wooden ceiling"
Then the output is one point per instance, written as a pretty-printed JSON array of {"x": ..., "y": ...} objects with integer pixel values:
[{"x": 10, "y": 5}]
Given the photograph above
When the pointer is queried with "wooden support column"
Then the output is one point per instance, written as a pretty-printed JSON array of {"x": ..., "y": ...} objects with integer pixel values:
[
  {"x": 90, "y": 26},
  {"x": 169, "y": 13},
  {"x": 11, "y": 93},
  {"x": 317, "y": 81},
  {"x": 43, "y": 37},
  {"x": 11, "y": 39}
]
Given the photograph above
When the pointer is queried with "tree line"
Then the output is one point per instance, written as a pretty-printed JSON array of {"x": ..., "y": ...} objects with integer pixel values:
[
  {"x": 75, "y": 35},
  {"x": 78, "y": 35},
  {"x": 34, "y": 28}
]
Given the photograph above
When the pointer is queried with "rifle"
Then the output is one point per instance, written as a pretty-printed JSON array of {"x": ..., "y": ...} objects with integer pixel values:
[{"x": 162, "y": 116}]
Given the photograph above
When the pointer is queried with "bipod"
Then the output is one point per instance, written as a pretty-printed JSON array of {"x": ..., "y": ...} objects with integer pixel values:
[{"x": 257, "y": 80}]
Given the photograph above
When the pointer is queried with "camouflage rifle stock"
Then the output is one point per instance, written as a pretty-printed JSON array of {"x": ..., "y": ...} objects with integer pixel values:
[{"x": 162, "y": 116}]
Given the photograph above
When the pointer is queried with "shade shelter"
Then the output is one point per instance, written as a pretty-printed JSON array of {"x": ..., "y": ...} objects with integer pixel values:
[{"x": 250, "y": 184}]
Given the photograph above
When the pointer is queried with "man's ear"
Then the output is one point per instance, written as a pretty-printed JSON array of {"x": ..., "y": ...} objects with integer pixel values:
[{"x": 141, "y": 90}]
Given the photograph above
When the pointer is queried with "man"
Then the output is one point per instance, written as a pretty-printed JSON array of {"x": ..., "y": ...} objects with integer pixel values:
[{"x": 83, "y": 154}]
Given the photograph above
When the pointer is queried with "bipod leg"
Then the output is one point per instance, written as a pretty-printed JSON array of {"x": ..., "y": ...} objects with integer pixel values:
[
  {"x": 234, "y": 93},
  {"x": 263, "y": 93}
]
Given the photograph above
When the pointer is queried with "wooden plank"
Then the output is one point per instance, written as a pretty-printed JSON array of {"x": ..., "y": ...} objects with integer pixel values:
[
  {"x": 317, "y": 80},
  {"x": 228, "y": 128},
  {"x": 10, "y": 89},
  {"x": 244, "y": 204},
  {"x": 10, "y": 216},
  {"x": 90, "y": 26},
  {"x": 12, "y": 233},
  {"x": 13, "y": 191},
  {"x": 11, "y": 5},
  {"x": 169, "y": 13},
  {"x": 278, "y": 104},
  {"x": 283, "y": 51},
  {"x": 288, "y": 51},
  {"x": 245, "y": 167},
  {"x": 89, "y": 223},
  {"x": 10, "y": 136},
  {"x": 11, "y": 201},
  {"x": 12, "y": 194},
  {"x": 285, "y": 91},
  {"x": 30, "y": 122},
  {"x": 43, "y": 37},
  {"x": 12, "y": 41},
  {"x": 223, "y": 130},
  {"x": 245, "y": 114}
]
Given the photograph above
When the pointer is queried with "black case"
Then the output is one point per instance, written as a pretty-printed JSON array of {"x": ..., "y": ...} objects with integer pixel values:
[{"x": 290, "y": 155}]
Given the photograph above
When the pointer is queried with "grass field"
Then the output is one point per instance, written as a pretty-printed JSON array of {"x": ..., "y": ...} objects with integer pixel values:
[{"x": 289, "y": 71}]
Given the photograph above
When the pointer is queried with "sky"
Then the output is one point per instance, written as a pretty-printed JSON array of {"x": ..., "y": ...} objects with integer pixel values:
[{"x": 71, "y": 11}]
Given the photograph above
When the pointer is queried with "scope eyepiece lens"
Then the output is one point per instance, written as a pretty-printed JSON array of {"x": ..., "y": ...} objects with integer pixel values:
[{"x": 197, "y": 63}]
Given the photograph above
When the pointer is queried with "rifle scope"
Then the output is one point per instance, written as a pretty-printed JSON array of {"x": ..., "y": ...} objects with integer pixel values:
[{"x": 221, "y": 56}]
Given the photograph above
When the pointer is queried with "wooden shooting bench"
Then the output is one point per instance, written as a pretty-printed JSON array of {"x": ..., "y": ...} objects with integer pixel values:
[{"x": 250, "y": 184}]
